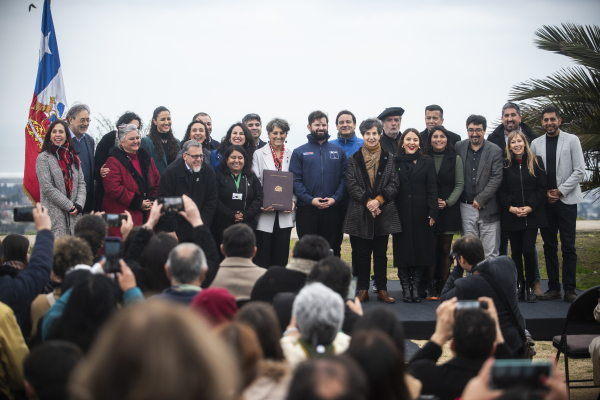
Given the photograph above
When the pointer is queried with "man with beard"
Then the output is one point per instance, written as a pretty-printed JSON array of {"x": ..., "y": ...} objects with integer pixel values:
[
  {"x": 347, "y": 140},
  {"x": 479, "y": 208},
  {"x": 434, "y": 116},
  {"x": 204, "y": 117},
  {"x": 254, "y": 125},
  {"x": 511, "y": 121},
  {"x": 190, "y": 176},
  {"x": 565, "y": 169},
  {"x": 391, "y": 118},
  {"x": 319, "y": 169}
]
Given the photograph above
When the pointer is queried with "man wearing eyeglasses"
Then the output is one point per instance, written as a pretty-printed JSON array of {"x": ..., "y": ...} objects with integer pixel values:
[
  {"x": 78, "y": 119},
  {"x": 482, "y": 161},
  {"x": 191, "y": 176}
]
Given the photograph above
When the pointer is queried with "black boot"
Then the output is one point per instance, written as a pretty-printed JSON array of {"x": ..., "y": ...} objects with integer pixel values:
[
  {"x": 520, "y": 290},
  {"x": 432, "y": 293},
  {"x": 530, "y": 296},
  {"x": 417, "y": 288},
  {"x": 404, "y": 281}
]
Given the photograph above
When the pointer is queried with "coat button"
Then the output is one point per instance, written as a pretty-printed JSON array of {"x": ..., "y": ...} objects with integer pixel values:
[{"x": 409, "y": 195}]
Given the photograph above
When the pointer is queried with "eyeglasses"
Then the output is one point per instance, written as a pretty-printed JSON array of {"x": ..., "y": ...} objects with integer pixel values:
[
  {"x": 82, "y": 120},
  {"x": 478, "y": 130},
  {"x": 195, "y": 157}
]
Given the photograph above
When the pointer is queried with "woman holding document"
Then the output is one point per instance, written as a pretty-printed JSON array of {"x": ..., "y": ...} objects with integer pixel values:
[{"x": 274, "y": 227}]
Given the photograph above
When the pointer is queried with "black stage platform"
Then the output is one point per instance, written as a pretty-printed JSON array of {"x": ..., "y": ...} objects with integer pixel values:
[{"x": 545, "y": 319}]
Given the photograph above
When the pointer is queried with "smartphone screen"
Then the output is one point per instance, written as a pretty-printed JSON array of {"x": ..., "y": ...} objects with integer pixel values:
[
  {"x": 507, "y": 374},
  {"x": 470, "y": 304},
  {"x": 23, "y": 214},
  {"x": 114, "y": 220},
  {"x": 112, "y": 252},
  {"x": 352, "y": 289},
  {"x": 171, "y": 204}
]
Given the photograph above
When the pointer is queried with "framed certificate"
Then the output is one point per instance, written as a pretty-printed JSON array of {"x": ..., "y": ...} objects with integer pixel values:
[{"x": 278, "y": 190}]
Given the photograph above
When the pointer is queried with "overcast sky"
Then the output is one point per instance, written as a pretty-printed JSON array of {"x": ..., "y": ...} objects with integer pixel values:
[{"x": 279, "y": 59}]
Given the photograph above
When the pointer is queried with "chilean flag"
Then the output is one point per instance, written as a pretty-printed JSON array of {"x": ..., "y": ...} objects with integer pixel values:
[{"x": 49, "y": 102}]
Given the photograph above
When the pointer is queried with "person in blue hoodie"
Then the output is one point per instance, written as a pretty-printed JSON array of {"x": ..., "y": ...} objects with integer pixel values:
[
  {"x": 347, "y": 140},
  {"x": 319, "y": 169}
]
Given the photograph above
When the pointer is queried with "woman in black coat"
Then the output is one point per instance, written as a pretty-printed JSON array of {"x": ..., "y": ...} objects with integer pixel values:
[
  {"x": 240, "y": 192},
  {"x": 417, "y": 204},
  {"x": 450, "y": 185},
  {"x": 372, "y": 184},
  {"x": 522, "y": 195}
]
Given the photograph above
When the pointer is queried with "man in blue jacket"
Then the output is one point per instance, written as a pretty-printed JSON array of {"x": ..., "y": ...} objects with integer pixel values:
[
  {"x": 20, "y": 291},
  {"x": 347, "y": 140},
  {"x": 319, "y": 169}
]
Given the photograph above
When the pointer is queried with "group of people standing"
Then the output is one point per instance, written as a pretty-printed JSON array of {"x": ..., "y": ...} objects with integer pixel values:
[{"x": 420, "y": 187}]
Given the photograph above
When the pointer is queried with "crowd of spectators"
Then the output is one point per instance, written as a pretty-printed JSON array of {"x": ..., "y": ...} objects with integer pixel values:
[{"x": 175, "y": 322}]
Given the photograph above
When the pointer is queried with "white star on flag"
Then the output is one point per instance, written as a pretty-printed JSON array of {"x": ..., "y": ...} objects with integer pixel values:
[{"x": 44, "y": 48}]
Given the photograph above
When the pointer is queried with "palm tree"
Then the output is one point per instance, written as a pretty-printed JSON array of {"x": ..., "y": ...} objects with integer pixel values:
[{"x": 575, "y": 90}]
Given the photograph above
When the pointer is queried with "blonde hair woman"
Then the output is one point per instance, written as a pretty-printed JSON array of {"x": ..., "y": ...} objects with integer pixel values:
[{"x": 522, "y": 196}]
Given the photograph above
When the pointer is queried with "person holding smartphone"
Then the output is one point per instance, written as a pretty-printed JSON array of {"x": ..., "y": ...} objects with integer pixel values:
[{"x": 372, "y": 216}]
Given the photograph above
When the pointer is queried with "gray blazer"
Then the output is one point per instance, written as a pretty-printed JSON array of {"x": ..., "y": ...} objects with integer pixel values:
[
  {"x": 53, "y": 195},
  {"x": 570, "y": 165},
  {"x": 489, "y": 177}
]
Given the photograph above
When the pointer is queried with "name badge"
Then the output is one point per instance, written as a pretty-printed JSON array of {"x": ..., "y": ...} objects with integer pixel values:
[{"x": 237, "y": 196}]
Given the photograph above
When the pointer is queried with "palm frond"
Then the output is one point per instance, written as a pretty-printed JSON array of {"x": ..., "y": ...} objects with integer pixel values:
[{"x": 579, "y": 42}]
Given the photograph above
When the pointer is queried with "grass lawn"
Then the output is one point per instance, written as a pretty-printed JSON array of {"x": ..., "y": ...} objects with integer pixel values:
[
  {"x": 588, "y": 275},
  {"x": 588, "y": 258}
]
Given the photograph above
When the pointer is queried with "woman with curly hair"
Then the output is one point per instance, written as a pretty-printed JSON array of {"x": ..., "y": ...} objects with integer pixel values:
[
  {"x": 238, "y": 135},
  {"x": 160, "y": 143}
]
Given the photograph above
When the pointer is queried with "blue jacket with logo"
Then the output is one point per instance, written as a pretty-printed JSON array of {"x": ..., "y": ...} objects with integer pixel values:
[
  {"x": 319, "y": 171},
  {"x": 350, "y": 146}
]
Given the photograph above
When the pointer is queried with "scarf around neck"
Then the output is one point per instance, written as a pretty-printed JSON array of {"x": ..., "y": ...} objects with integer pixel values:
[
  {"x": 66, "y": 158},
  {"x": 371, "y": 155}
]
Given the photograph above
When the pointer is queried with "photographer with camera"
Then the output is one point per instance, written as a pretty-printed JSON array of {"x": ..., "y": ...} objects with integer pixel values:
[
  {"x": 495, "y": 278},
  {"x": 474, "y": 335}
]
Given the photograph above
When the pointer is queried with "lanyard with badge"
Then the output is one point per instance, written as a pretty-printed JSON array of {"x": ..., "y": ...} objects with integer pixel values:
[{"x": 237, "y": 196}]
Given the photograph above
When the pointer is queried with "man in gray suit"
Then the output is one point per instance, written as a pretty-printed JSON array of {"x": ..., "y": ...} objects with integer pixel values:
[
  {"x": 565, "y": 169},
  {"x": 78, "y": 119},
  {"x": 479, "y": 208}
]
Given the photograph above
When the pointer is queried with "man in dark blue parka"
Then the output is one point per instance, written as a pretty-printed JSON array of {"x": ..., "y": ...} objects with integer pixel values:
[{"x": 319, "y": 169}]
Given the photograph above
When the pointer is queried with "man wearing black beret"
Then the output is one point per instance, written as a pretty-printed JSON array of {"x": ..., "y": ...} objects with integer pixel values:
[{"x": 391, "y": 118}]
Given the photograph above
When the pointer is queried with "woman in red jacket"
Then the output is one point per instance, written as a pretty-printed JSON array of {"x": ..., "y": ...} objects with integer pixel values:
[{"x": 132, "y": 183}]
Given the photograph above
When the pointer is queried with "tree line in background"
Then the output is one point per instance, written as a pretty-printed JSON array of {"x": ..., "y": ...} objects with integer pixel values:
[{"x": 574, "y": 90}]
